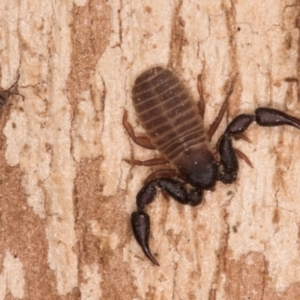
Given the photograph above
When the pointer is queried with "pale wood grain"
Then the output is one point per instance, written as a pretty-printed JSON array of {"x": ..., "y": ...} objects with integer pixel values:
[{"x": 66, "y": 194}]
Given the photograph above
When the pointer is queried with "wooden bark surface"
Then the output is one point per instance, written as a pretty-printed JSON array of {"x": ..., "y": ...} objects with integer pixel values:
[{"x": 66, "y": 194}]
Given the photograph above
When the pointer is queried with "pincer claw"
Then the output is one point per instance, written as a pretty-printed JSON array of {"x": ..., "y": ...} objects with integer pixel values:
[{"x": 140, "y": 222}]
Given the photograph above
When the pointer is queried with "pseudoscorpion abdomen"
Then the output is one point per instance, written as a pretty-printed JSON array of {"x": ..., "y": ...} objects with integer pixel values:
[{"x": 168, "y": 113}]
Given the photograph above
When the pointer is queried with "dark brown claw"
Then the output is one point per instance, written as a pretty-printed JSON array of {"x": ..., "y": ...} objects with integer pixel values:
[
  {"x": 272, "y": 117},
  {"x": 140, "y": 222}
]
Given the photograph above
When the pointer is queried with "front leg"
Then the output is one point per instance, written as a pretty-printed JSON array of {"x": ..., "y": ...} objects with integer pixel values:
[{"x": 140, "y": 220}]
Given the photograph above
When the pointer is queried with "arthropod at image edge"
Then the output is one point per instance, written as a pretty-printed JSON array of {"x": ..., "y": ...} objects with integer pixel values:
[
  {"x": 174, "y": 126},
  {"x": 5, "y": 94}
]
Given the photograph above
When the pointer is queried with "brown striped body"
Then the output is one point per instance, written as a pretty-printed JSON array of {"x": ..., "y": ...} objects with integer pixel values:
[{"x": 171, "y": 120}]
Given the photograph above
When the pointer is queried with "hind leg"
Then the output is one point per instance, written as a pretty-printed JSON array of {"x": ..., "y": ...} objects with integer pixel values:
[{"x": 142, "y": 141}]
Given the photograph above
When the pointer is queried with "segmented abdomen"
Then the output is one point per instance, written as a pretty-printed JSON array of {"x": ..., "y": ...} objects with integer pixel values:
[{"x": 168, "y": 113}]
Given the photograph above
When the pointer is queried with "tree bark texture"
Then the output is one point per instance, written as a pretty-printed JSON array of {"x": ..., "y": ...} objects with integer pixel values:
[{"x": 66, "y": 193}]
